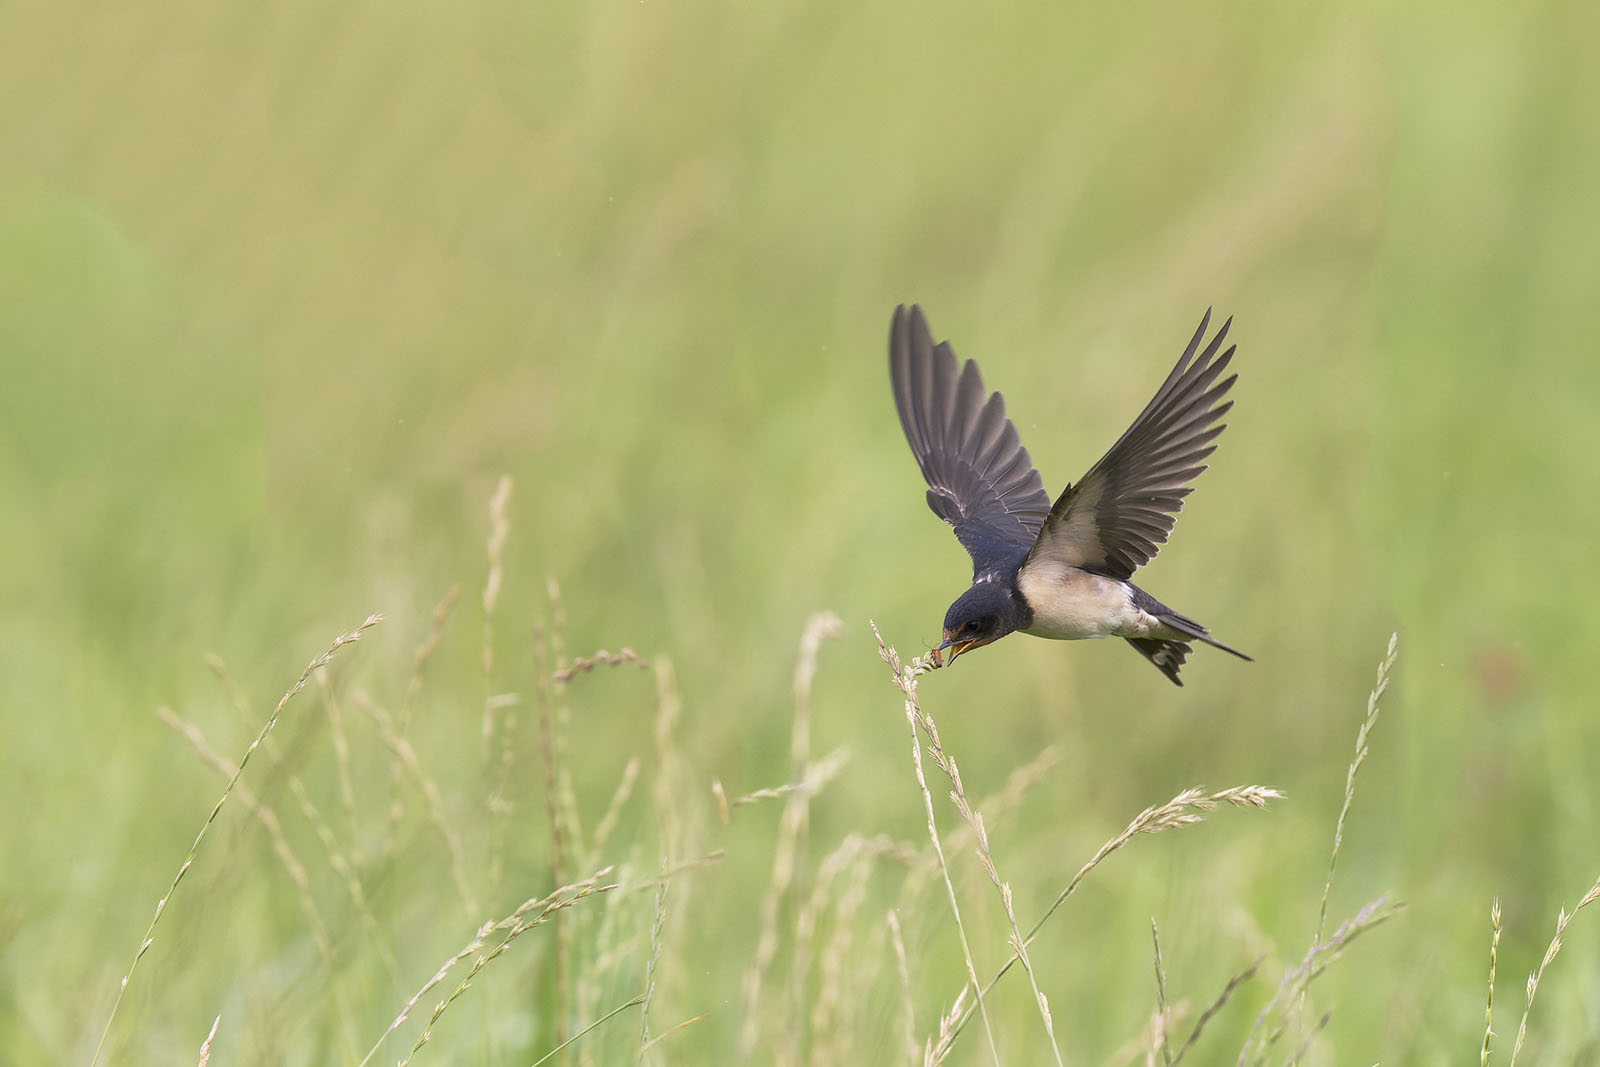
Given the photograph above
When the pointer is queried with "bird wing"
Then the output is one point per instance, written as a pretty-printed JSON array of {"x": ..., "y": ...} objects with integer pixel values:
[
  {"x": 1120, "y": 513},
  {"x": 980, "y": 479}
]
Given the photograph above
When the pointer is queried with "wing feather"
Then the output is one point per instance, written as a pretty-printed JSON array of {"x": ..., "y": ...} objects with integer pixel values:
[
  {"x": 1118, "y": 515},
  {"x": 980, "y": 478}
]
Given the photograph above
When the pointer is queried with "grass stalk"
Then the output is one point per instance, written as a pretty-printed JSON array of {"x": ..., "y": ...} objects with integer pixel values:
[
  {"x": 1187, "y": 808},
  {"x": 1161, "y": 1045},
  {"x": 1360, "y": 757},
  {"x": 1488, "y": 1008},
  {"x": 1563, "y": 917},
  {"x": 188, "y": 861},
  {"x": 531, "y": 913},
  {"x": 905, "y": 681}
]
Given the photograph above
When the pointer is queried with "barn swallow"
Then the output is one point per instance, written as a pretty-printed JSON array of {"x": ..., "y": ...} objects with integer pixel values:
[{"x": 1057, "y": 571}]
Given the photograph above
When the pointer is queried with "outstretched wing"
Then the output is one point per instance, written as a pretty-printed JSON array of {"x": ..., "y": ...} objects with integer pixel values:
[
  {"x": 980, "y": 479},
  {"x": 1120, "y": 513}
]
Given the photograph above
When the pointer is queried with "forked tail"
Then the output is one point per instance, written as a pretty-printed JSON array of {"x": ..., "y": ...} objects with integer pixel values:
[
  {"x": 1185, "y": 625},
  {"x": 1168, "y": 656}
]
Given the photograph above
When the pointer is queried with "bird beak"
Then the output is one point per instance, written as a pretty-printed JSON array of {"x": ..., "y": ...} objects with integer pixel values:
[{"x": 955, "y": 647}]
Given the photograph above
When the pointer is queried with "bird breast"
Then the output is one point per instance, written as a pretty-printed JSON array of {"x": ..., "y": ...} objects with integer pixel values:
[{"x": 1070, "y": 604}]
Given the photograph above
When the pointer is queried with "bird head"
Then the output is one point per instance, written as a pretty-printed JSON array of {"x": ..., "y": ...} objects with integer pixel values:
[{"x": 983, "y": 614}]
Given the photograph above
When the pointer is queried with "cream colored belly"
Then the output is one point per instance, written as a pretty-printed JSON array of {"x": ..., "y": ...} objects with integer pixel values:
[{"x": 1069, "y": 604}]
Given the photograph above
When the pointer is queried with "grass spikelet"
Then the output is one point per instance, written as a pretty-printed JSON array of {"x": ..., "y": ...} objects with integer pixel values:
[
  {"x": 205, "y": 1046},
  {"x": 499, "y": 530},
  {"x": 1563, "y": 917},
  {"x": 341, "y": 760},
  {"x": 856, "y": 856},
  {"x": 1216, "y": 1005},
  {"x": 1488, "y": 1010},
  {"x": 432, "y": 799},
  {"x": 658, "y": 923},
  {"x": 789, "y": 846},
  {"x": 1316, "y": 960},
  {"x": 672, "y": 828},
  {"x": 601, "y": 658},
  {"x": 905, "y": 679},
  {"x": 908, "y": 1011},
  {"x": 188, "y": 861},
  {"x": 986, "y": 859},
  {"x": 429, "y": 645},
  {"x": 995, "y": 807},
  {"x": 529, "y": 914},
  {"x": 1159, "y": 1045},
  {"x": 619, "y": 798},
  {"x": 337, "y": 860},
  {"x": 1360, "y": 757},
  {"x": 828, "y": 1026},
  {"x": 1185, "y": 809},
  {"x": 268, "y": 819},
  {"x": 812, "y": 779},
  {"x": 419, "y": 665}
]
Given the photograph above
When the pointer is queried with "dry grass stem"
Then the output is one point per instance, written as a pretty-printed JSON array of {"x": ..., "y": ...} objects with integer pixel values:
[
  {"x": 1305, "y": 1042},
  {"x": 994, "y": 806},
  {"x": 309, "y": 811},
  {"x": 1488, "y": 1010},
  {"x": 674, "y": 1028},
  {"x": 1185, "y": 809},
  {"x": 532, "y": 912},
  {"x": 939, "y": 1047},
  {"x": 269, "y": 822},
  {"x": 188, "y": 861},
  {"x": 905, "y": 680},
  {"x": 1159, "y": 1045},
  {"x": 1140, "y": 1048},
  {"x": 1360, "y": 757},
  {"x": 797, "y": 807},
  {"x": 908, "y": 1011},
  {"x": 1563, "y": 917},
  {"x": 407, "y": 757},
  {"x": 671, "y": 774},
  {"x": 1216, "y": 1005},
  {"x": 608, "y": 822},
  {"x": 429, "y": 645},
  {"x": 341, "y": 759},
  {"x": 419, "y": 665},
  {"x": 826, "y": 1007},
  {"x": 337, "y": 860},
  {"x": 1316, "y": 960},
  {"x": 788, "y": 855},
  {"x": 671, "y": 871},
  {"x": 561, "y": 732},
  {"x": 986, "y": 858},
  {"x": 552, "y": 809},
  {"x": 608, "y": 953},
  {"x": 855, "y": 854},
  {"x": 670, "y": 770},
  {"x": 812, "y": 779},
  {"x": 205, "y": 1046},
  {"x": 499, "y": 530},
  {"x": 602, "y": 658}
]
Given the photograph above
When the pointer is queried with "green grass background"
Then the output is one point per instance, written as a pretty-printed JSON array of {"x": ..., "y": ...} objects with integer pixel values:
[{"x": 285, "y": 288}]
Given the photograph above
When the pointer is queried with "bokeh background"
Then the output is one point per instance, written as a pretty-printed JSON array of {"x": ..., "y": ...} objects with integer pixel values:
[{"x": 285, "y": 289}]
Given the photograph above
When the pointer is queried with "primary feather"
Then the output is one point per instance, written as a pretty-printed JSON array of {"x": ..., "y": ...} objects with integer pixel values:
[
  {"x": 1115, "y": 519},
  {"x": 980, "y": 478}
]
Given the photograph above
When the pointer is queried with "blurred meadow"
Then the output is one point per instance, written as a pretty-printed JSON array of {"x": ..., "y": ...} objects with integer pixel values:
[{"x": 286, "y": 291}]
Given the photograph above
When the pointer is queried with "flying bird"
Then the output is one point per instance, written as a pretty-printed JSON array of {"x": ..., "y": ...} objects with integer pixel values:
[{"x": 1060, "y": 571}]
